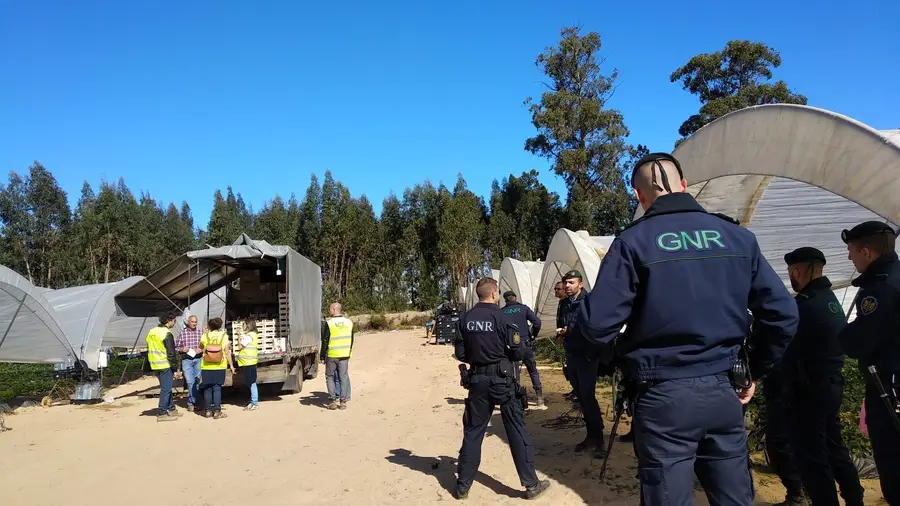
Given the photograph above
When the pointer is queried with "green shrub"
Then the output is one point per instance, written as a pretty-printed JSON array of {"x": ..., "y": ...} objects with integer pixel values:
[
  {"x": 378, "y": 322},
  {"x": 549, "y": 350}
]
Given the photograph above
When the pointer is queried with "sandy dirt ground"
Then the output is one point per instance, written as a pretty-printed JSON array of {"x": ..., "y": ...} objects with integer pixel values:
[{"x": 396, "y": 444}]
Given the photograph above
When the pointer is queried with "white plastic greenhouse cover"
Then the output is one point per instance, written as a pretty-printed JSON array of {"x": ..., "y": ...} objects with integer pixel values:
[
  {"x": 471, "y": 298},
  {"x": 796, "y": 176},
  {"x": 86, "y": 312},
  {"x": 29, "y": 329},
  {"x": 568, "y": 250},
  {"x": 523, "y": 278}
]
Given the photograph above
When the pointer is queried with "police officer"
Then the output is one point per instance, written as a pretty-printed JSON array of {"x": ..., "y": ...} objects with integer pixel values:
[
  {"x": 490, "y": 344},
  {"x": 873, "y": 338},
  {"x": 682, "y": 279},
  {"x": 814, "y": 383},
  {"x": 521, "y": 315}
]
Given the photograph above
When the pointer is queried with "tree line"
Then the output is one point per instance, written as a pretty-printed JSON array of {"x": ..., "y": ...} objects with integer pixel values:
[{"x": 425, "y": 243}]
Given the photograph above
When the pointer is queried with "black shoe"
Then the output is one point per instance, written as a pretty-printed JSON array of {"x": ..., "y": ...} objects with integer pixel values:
[
  {"x": 461, "y": 493},
  {"x": 794, "y": 500},
  {"x": 589, "y": 443},
  {"x": 627, "y": 438},
  {"x": 599, "y": 452},
  {"x": 533, "y": 492}
]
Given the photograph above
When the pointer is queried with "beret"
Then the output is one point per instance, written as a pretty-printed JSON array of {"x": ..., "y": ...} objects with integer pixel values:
[
  {"x": 509, "y": 294},
  {"x": 866, "y": 229},
  {"x": 803, "y": 255},
  {"x": 572, "y": 274}
]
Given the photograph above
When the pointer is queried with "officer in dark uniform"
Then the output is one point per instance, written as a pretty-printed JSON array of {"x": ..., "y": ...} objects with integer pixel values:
[
  {"x": 583, "y": 358},
  {"x": 682, "y": 280},
  {"x": 873, "y": 338},
  {"x": 814, "y": 384},
  {"x": 490, "y": 343},
  {"x": 521, "y": 315}
]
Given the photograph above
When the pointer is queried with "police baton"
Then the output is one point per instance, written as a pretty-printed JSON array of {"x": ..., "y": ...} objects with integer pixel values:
[{"x": 882, "y": 392}]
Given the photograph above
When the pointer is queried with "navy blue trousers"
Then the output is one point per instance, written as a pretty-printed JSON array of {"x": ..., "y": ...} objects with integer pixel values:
[
  {"x": 485, "y": 392},
  {"x": 688, "y": 426},
  {"x": 885, "y": 446}
]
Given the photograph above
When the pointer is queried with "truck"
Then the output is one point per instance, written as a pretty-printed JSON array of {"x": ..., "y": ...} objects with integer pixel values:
[{"x": 274, "y": 285}]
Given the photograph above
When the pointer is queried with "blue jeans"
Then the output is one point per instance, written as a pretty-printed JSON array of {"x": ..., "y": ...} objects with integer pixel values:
[
  {"x": 249, "y": 372},
  {"x": 190, "y": 367},
  {"x": 337, "y": 385},
  {"x": 166, "y": 399}
]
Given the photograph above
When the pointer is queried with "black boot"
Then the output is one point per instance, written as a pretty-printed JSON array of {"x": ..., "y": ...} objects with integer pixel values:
[
  {"x": 794, "y": 500},
  {"x": 589, "y": 443}
]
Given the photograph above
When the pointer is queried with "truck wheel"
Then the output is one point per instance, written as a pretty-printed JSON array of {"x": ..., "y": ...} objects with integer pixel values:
[
  {"x": 310, "y": 366},
  {"x": 293, "y": 384}
]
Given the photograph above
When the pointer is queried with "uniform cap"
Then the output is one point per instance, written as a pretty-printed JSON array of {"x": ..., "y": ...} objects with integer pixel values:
[
  {"x": 656, "y": 157},
  {"x": 574, "y": 273},
  {"x": 804, "y": 255},
  {"x": 866, "y": 229},
  {"x": 509, "y": 294}
]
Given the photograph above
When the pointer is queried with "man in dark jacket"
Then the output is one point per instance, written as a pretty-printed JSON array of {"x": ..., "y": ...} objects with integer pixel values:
[
  {"x": 811, "y": 369},
  {"x": 523, "y": 317},
  {"x": 561, "y": 310},
  {"x": 584, "y": 361}
]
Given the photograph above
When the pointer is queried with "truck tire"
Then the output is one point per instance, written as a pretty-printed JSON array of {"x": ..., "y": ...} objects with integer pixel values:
[{"x": 310, "y": 366}]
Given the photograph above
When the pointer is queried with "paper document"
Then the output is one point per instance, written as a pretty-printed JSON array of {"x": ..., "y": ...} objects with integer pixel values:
[
  {"x": 191, "y": 353},
  {"x": 245, "y": 340}
]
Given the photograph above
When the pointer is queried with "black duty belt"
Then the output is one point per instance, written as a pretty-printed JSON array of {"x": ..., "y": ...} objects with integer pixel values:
[{"x": 487, "y": 370}]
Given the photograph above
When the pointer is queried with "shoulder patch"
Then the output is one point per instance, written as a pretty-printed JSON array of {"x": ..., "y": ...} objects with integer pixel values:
[
  {"x": 516, "y": 339},
  {"x": 868, "y": 305},
  {"x": 726, "y": 218}
]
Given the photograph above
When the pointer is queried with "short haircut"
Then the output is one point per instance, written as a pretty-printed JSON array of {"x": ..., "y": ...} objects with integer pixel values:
[
  {"x": 167, "y": 317},
  {"x": 215, "y": 324},
  {"x": 485, "y": 287},
  {"x": 877, "y": 243},
  {"x": 560, "y": 282}
]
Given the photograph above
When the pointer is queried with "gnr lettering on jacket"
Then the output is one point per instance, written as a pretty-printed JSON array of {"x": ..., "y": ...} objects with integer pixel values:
[
  {"x": 479, "y": 326},
  {"x": 698, "y": 240}
]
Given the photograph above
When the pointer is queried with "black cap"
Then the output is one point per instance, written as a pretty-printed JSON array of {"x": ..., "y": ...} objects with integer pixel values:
[
  {"x": 572, "y": 274},
  {"x": 804, "y": 255},
  {"x": 508, "y": 294},
  {"x": 866, "y": 229}
]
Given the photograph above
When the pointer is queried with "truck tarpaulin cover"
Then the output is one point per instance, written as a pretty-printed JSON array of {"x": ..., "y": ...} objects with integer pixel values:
[{"x": 196, "y": 274}]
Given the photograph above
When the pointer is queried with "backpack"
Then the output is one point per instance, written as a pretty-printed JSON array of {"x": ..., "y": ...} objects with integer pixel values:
[{"x": 212, "y": 353}]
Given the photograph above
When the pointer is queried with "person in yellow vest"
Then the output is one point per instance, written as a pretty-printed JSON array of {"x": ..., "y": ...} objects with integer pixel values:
[
  {"x": 248, "y": 357},
  {"x": 161, "y": 355},
  {"x": 337, "y": 356},
  {"x": 214, "y": 366}
]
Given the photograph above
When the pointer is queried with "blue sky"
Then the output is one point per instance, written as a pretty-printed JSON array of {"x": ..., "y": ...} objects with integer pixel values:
[{"x": 181, "y": 98}]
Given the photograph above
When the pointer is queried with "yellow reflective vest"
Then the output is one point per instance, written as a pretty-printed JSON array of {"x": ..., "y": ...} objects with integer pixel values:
[
  {"x": 156, "y": 348},
  {"x": 341, "y": 339},
  {"x": 249, "y": 355}
]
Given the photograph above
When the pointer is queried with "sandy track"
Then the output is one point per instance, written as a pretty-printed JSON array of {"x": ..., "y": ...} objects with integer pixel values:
[{"x": 396, "y": 444}]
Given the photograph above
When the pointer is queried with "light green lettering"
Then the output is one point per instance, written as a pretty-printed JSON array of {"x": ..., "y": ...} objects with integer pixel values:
[
  {"x": 695, "y": 241},
  {"x": 672, "y": 244},
  {"x": 712, "y": 236}
]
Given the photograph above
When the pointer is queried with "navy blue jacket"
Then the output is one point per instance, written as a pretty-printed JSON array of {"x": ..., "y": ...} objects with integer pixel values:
[
  {"x": 573, "y": 342},
  {"x": 521, "y": 315},
  {"x": 815, "y": 351},
  {"x": 683, "y": 279},
  {"x": 874, "y": 336},
  {"x": 485, "y": 336}
]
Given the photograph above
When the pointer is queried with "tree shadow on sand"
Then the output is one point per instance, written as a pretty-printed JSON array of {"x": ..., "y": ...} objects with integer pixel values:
[{"x": 443, "y": 469}]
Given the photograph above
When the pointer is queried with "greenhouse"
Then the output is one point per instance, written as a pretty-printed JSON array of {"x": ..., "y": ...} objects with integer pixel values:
[
  {"x": 522, "y": 278},
  {"x": 29, "y": 329},
  {"x": 568, "y": 250}
]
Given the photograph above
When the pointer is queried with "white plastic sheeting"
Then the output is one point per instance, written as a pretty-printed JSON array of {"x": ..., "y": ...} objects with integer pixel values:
[
  {"x": 568, "y": 250},
  {"x": 523, "y": 278},
  {"x": 796, "y": 176},
  {"x": 86, "y": 314},
  {"x": 29, "y": 329},
  {"x": 471, "y": 297}
]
